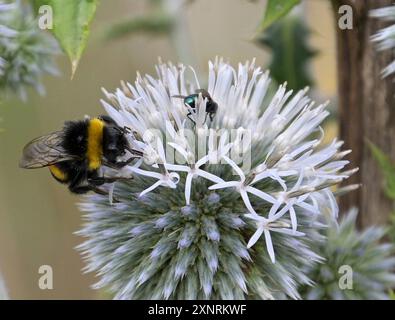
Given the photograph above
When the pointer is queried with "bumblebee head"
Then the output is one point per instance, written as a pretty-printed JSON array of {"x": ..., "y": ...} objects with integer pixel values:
[{"x": 115, "y": 143}]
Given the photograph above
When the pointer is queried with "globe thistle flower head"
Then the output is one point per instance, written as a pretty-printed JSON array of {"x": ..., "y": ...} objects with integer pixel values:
[
  {"x": 371, "y": 262},
  {"x": 6, "y": 32},
  {"x": 385, "y": 38},
  {"x": 221, "y": 209},
  {"x": 26, "y": 52}
]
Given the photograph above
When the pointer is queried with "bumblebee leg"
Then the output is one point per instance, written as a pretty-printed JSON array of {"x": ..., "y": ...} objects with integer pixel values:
[
  {"x": 97, "y": 190},
  {"x": 77, "y": 184},
  {"x": 79, "y": 189},
  {"x": 101, "y": 180},
  {"x": 119, "y": 164},
  {"x": 212, "y": 116},
  {"x": 102, "y": 192},
  {"x": 87, "y": 188}
]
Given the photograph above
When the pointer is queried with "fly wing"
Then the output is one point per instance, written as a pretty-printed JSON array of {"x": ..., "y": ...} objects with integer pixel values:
[
  {"x": 204, "y": 93},
  {"x": 44, "y": 151}
]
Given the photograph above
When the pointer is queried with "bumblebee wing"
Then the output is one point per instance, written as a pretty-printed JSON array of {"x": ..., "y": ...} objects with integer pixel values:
[{"x": 44, "y": 151}]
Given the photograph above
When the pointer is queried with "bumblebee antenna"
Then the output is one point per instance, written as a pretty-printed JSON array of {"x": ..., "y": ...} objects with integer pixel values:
[
  {"x": 127, "y": 129},
  {"x": 134, "y": 151}
]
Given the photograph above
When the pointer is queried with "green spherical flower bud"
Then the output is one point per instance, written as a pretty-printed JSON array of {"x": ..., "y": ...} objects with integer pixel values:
[{"x": 26, "y": 52}]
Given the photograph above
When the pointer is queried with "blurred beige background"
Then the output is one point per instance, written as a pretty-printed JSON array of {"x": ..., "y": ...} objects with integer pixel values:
[{"x": 37, "y": 215}]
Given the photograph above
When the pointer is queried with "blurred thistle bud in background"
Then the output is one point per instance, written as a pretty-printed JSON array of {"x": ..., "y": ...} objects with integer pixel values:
[
  {"x": 207, "y": 229},
  {"x": 370, "y": 261},
  {"x": 26, "y": 52}
]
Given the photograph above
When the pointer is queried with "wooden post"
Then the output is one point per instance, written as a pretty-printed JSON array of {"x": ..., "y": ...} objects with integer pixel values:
[{"x": 366, "y": 108}]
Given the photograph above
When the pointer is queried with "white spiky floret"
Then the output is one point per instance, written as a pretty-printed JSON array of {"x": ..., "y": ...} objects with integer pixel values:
[
  {"x": 262, "y": 152},
  {"x": 385, "y": 38}
]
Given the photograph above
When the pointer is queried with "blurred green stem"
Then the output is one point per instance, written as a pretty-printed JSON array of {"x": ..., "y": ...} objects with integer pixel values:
[
  {"x": 166, "y": 17},
  {"x": 3, "y": 290},
  {"x": 179, "y": 33}
]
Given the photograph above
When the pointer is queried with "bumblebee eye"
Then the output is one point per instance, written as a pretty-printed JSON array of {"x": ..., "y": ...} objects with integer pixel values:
[{"x": 112, "y": 146}]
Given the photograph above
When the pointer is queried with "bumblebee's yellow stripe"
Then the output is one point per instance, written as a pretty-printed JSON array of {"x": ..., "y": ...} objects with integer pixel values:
[
  {"x": 57, "y": 173},
  {"x": 94, "y": 151}
]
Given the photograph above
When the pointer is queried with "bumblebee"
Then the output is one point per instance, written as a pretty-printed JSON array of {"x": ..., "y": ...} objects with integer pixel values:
[
  {"x": 211, "y": 105},
  {"x": 76, "y": 154}
]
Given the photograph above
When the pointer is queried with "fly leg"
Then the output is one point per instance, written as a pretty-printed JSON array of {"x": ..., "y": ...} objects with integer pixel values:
[
  {"x": 193, "y": 121},
  {"x": 205, "y": 118},
  {"x": 188, "y": 116}
]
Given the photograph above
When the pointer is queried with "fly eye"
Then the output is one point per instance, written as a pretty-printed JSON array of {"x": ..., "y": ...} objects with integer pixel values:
[{"x": 190, "y": 101}]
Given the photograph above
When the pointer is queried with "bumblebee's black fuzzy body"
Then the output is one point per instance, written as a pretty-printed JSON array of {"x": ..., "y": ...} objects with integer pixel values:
[
  {"x": 76, "y": 137},
  {"x": 76, "y": 154}
]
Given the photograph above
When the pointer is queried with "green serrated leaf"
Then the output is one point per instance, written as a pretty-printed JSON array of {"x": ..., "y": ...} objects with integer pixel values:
[
  {"x": 291, "y": 54},
  {"x": 71, "y": 20},
  {"x": 383, "y": 160},
  {"x": 387, "y": 167},
  {"x": 276, "y": 9}
]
